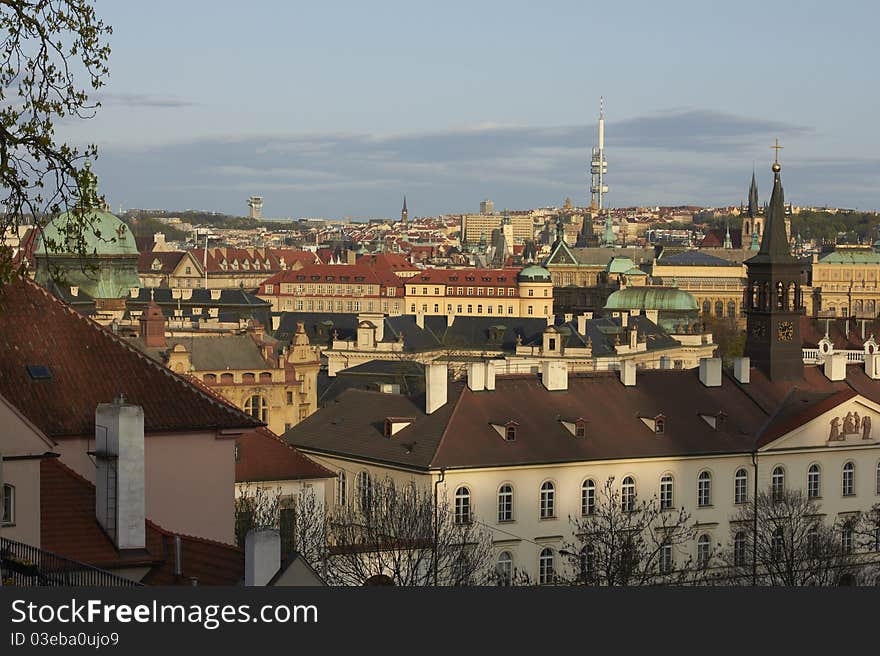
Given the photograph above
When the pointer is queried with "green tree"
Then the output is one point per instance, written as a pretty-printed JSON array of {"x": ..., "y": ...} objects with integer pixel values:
[{"x": 53, "y": 54}]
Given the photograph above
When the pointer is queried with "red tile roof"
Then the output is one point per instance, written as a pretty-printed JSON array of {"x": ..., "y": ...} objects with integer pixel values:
[
  {"x": 467, "y": 277},
  {"x": 337, "y": 274},
  {"x": 68, "y": 527},
  {"x": 267, "y": 260},
  {"x": 263, "y": 456},
  {"x": 89, "y": 365}
]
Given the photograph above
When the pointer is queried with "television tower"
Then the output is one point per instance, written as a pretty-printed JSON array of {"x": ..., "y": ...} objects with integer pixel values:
[{"x": 598, "y": 165}]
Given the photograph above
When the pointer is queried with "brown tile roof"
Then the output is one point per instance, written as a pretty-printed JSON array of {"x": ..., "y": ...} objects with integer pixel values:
[
  {"x": 167, "y": 259},
  {"x": 68, "y": 527},
  {"x": 467, "y": 277},
  {"x": 263, "y": 456},
  {"x": 89, "y": 365},
  {"x": 335, "y": 273}
]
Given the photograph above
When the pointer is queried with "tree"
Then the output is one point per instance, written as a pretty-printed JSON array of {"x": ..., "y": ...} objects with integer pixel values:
[
  {"x": 626, "y": 541},
  {"x": 390, "y": 532},
  {"x": 52, "y": 54},
  {"x": 788, "y": 543}
]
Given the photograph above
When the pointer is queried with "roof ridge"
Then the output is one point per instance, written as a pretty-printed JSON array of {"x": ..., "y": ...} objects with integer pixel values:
[{"x": 225, "y": 404}]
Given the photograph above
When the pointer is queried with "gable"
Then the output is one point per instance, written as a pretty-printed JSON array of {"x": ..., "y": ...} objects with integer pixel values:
[
  {"x": 562, "y": 255},
  {"x": 188, "y": 261},
  {"x": 18, "y": 436},
  {"x": 853, "y": 422}
]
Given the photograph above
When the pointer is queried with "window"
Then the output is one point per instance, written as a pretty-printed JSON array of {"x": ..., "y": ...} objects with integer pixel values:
[
  {"x": 846, "y": 538},
  {"x": 878, "y": 478},
  {"x": 704, "y": 550},
  {"x": 510, "y": 432},
  {"x": 813, "y": 542},
  {"x": 462, "y": 506},
  {"x": 704, "y": 489},
  {"x": 777, "y": 544},
  {"x": 739, "y": 549},
  {"x": 365, "y": 490},
  {"x": 7, "y": 510},
  {"x": 290, "y": 398},
  {"x": 588, "y": 497},
  {"x": 580, "y": 428},
  {"x": 341, "y": 496},
  {"x": 628, "y": 494},
  {"x": 504, "y": 568},
  {"x": 740, "y": 486},
  {"x": 530, "y": 310},
  {"x": 849, "y": 479},
  {"x": 505, "y": 503},
  {"x": 814, "y": 482},
  {"x": 548, "y": 510},
  {"x": 666, "y": 486},
  {"x": 588, "y": 562},
  {"x": 666, "y": 559},
  {"x": 545, "y": 566},
  {"x": 777, "y": 483},
  {"x": 257, "y": 407}
]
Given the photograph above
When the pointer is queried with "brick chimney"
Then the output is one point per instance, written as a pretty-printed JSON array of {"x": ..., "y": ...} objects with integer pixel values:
[{"x": 153, "y": 326}]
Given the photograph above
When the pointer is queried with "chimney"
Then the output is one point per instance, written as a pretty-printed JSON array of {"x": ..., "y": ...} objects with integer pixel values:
[
  {"x": 119, "y": 476},
  {"x": 835, "y": 366},
  {"x": 449, "y": 319},
  {"x": 741, "y": 369},
  {"x": 568, "y": 317},
  {"x": 490, "y": 375},
  {"x": 628, "y": 373},
  {"x": 624, "y": 318},
  {"x": 420, "y": 320},
  {"x": 665, "y": 362},
  {"x": 554, "y": 375},
  {"x": 276, "y": 322},
  {"x": 710, "y": 372},
  {"x": 262, "y": 556},
  {"x": 178, "y": 556},
  {"x": 436, "y": 391},
  {"x": 476, "y": 376},
  {"x": 872, "y": 365},
  {"x": 582, "y": 324}
]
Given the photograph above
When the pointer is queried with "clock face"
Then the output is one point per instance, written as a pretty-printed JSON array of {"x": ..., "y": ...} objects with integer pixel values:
[
  {"x": 785, "y": 331},
  {"x": 758, "y": 329}
]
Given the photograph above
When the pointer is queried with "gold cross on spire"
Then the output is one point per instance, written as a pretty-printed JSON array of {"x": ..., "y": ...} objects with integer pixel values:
[{"x": 777, "y": 148}]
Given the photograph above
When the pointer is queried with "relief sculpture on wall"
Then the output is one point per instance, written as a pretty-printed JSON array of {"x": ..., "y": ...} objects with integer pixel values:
[{"x": 851, "y": 424}]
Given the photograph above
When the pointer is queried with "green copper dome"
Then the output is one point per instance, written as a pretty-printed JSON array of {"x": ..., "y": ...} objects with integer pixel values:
[
  {"x": 534, "y": 274},
  {"x": 651, "y": 298}
]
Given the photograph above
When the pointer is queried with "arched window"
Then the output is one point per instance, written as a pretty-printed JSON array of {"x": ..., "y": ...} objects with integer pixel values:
[
  {"x": 548, "y": 506},
  {"x": 247, "y": 378},
  {"x": 777, "y": 483},
  {"x": 462, "y": 506},
  {"x": 588, "y": 562},
  {"x": 780, "y": 295},
  {"x": 877, "y": 476},
  {"x": 731, "y": 309},
  {"x": 341, "y": 491},
  {"x": 364, "y": 490},
  {"x": 719, "y": 308},
  {"x": 628, "y": 494},
  {"x": 814, "y": 482},
  {"x": 849, "y": 479},
  {"x": 740, "y": 486},
  {"x": 7, "y": 509},
  {"x": 505, "y": 503},
  {"x": 704, "y": 550},
  {"x": 588, "y": 497},
  {"x": 792, "y": 296},
  {"x": 704, "y": 489},
  {"x": 211, "y": 379},
  {"x": 545, "y": 566},
  {"x": 666, "y": 492},
  {"x": 707, "y": 306},
  {"x": 257, "y": 407},
  {"x": 739, "y": 549},
  {"x": 504, "y": 568},
  {"x": 777, "y": 543}
]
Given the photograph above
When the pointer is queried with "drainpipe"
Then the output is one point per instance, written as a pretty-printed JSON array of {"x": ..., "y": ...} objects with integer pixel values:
[
  {"x": 755, "y": 519},
  {"x": 437, "y": 520}
]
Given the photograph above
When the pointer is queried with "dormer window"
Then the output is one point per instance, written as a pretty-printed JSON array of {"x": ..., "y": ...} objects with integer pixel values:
[
  {"x": 713, "y": 419},
  {"x": 156, "y": 265},
  {"x": 394, "y": 425},
  {"x": 507, "y": 430},
  {"x": 656, "y": 424},
  {"x": 577, "y": 427},
  {"x": 510, "y": 432}
]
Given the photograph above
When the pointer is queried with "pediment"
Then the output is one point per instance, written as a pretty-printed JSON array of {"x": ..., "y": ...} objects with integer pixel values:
[{"x": 852, "y": 423}]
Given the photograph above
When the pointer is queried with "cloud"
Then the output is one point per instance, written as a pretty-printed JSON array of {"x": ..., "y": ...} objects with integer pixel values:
[
  {"x": 142, "y": 100},
  {"x": 680, "y": 156}
]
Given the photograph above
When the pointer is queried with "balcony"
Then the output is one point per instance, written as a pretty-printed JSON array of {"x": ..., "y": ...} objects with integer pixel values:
[{"x": 23, "y": 565}]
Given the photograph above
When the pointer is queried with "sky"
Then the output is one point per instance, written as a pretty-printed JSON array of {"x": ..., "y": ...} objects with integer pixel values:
[{"x": 338, "y": 109}]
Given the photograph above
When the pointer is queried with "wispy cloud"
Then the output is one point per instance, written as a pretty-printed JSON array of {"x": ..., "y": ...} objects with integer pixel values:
[
  {"x": 142, "y": 100},
  {"x": 683, "y": 156}
]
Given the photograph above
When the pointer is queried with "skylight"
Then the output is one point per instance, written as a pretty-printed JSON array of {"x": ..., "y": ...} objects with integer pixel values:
[{"x": 39, "y": 372}]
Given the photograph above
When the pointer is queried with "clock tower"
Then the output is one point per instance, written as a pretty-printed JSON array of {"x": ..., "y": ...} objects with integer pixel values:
[{"x": 774, "y": 300}]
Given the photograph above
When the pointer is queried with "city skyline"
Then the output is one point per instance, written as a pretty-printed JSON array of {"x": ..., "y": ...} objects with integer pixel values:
[{"x": 336, "y": 123}]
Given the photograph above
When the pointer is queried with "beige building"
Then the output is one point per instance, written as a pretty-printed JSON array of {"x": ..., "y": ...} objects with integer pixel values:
[
  {"x": 845, "y": 283},
  {"x": 478, "y": 227},
  {"x": 481, "y": 292}
]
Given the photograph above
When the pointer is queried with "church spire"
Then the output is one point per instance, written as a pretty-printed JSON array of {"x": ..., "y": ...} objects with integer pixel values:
[
  {"x": 774, "y": 242},
  {"x": 728, "y": 242},
  {"x": 753, "y": 197},
  {"x": 404, "y": 214}
]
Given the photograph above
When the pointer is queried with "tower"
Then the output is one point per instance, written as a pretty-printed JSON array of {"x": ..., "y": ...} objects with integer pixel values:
[
  {"x": 586, "y": 235},
  {"x": 598, "y": 165},
  {"x": 753, "y": 218},
  {"x": 255, "y": 207},
  {"x": 774, "y": 299},
  {"x": 404, "y": 214}
]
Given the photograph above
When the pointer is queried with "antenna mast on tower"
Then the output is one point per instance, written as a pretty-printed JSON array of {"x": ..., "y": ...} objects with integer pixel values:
[{"x": 598, "y": 165}]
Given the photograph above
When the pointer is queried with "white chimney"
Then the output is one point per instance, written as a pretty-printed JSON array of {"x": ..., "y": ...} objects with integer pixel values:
[
  {"x": 741, "y": 367},
  {"x": 628, "y": 373},
  {"x": 872, "y": 365},
  {"x": 665, "y": 362},
  {"x": 624, "y": 318},
  {"x": 276, "y": 321},
  {"x": 262, "y": 556},
  {"x": 554, "y": 375},
  {"x": 119, "y": 477},
  {"x": 582, "y": 324},
  {"x": 710, "y": 372},
  {"x": 568, "y": 317},
  {"x": 476, "y": 376},
  {"x": 835, "y": 366},
  {"x": 435, "y": 387},
  {"x": 490, "y": 375},
  {"x": 420, "y": 320}
]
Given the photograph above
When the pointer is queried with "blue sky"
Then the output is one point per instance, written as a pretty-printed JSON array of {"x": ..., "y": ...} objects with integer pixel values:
[{"x": 338, "y": 109}]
